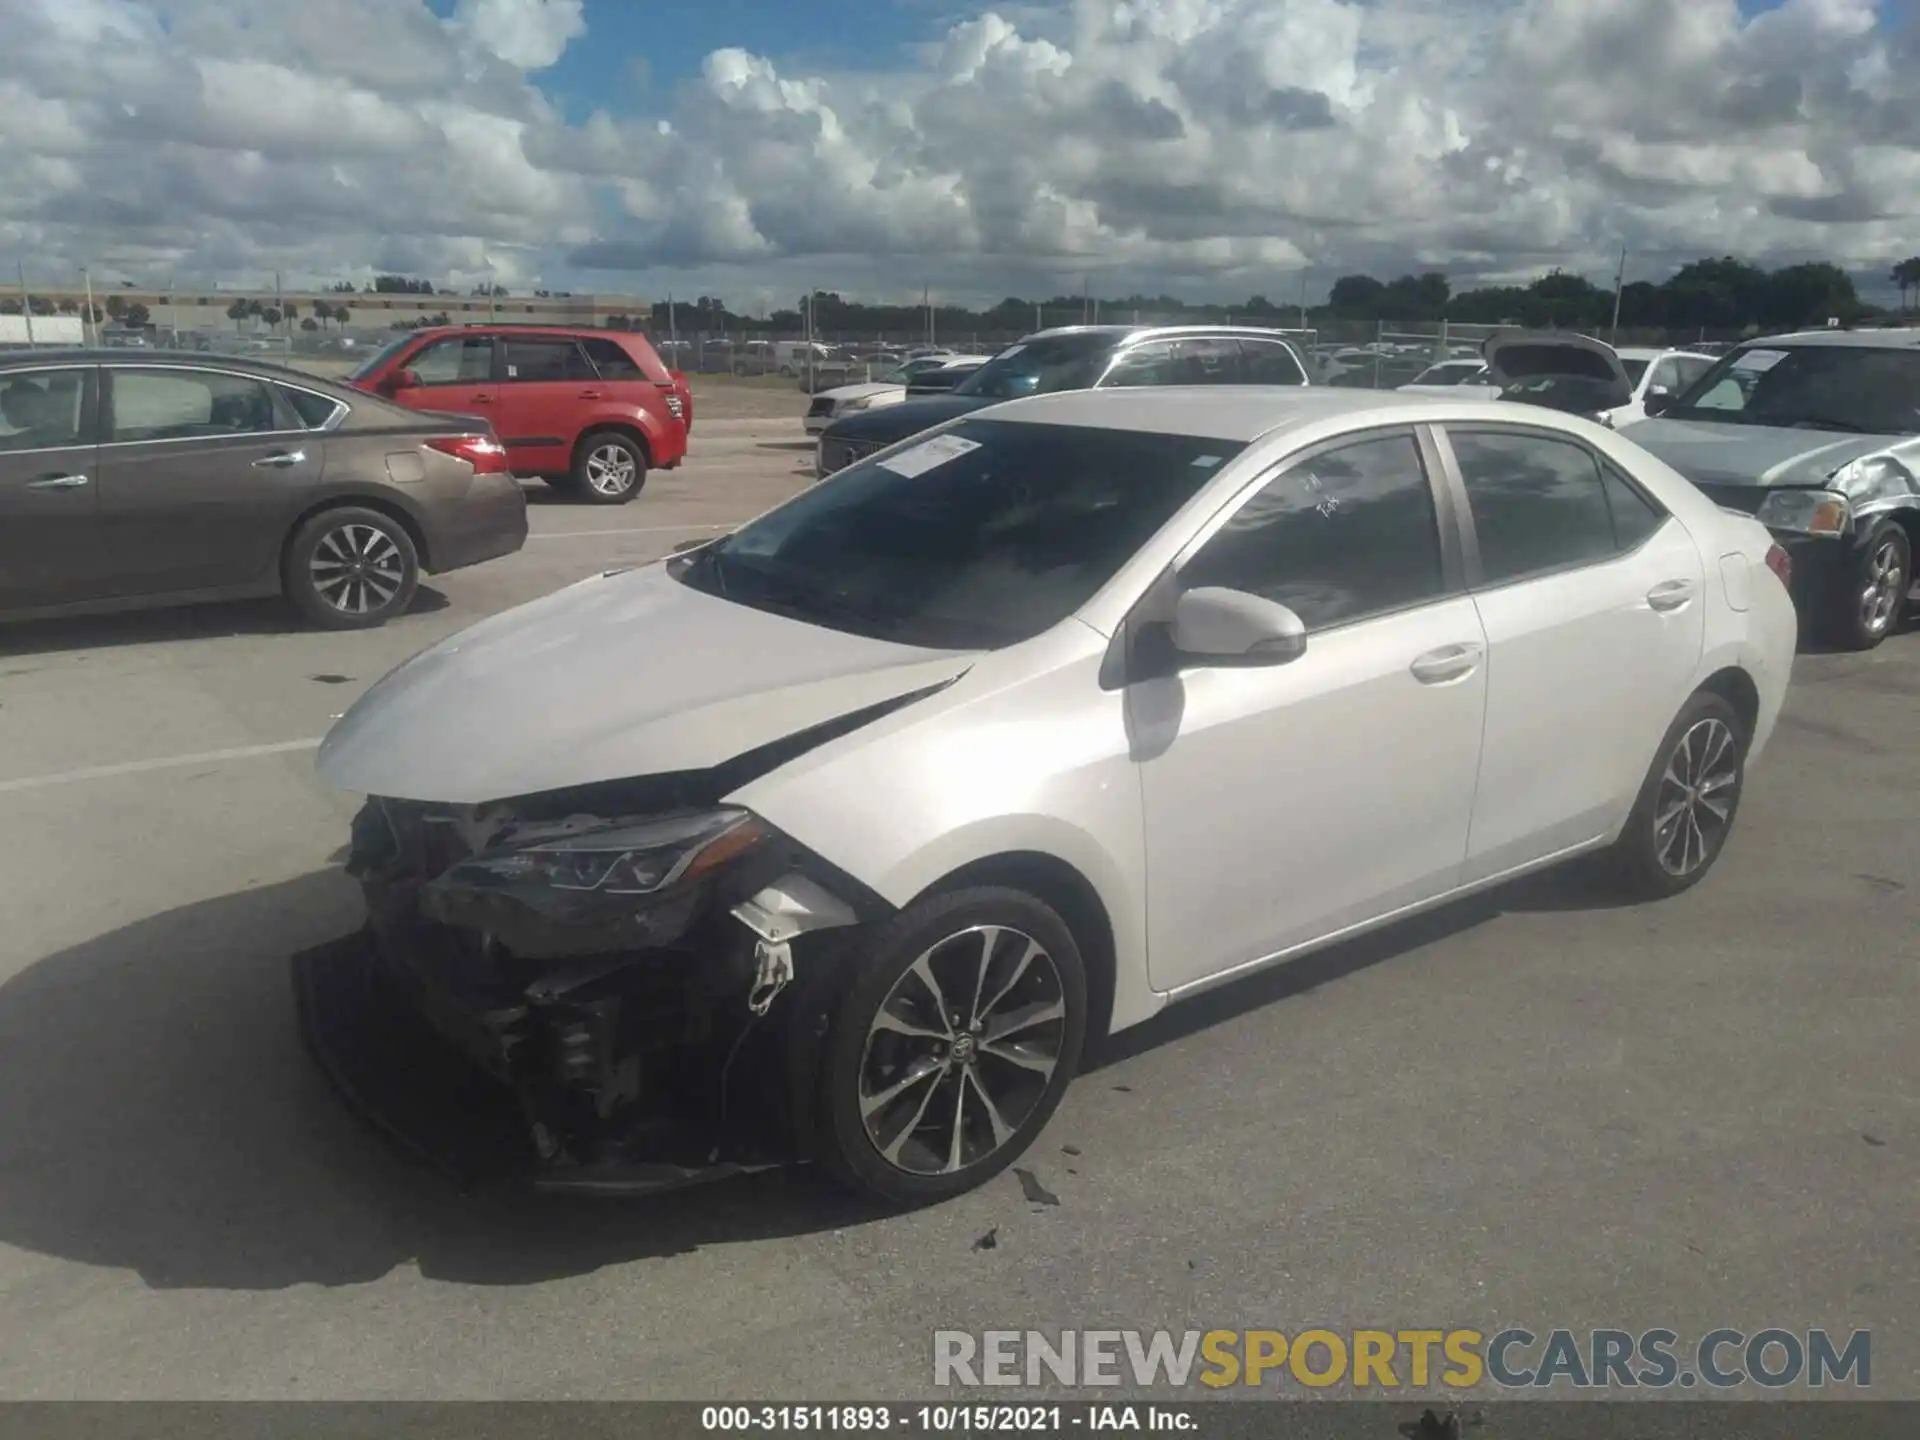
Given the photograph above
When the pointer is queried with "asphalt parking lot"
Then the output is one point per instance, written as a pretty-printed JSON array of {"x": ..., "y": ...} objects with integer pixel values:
[{"x": 1532, "y": 1109}]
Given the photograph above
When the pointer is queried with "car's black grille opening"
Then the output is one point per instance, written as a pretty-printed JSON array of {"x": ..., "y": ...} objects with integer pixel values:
[{"x": 820, "y": 407}]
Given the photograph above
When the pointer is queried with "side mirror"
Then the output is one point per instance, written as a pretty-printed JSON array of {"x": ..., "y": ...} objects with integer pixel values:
[
  {"x": 1658, "y": 401},
  {"x": 1231, "y": 627},
  {"x": 403, "y": 380}
]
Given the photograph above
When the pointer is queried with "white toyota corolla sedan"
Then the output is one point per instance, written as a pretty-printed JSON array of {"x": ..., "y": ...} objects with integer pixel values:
[{"x": 841, "y": 837}]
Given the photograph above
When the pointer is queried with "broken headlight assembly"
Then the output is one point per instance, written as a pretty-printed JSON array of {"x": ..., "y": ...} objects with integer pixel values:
[
  {"x": 590, "y": 884},
  {"x": 632, "y": 857}
]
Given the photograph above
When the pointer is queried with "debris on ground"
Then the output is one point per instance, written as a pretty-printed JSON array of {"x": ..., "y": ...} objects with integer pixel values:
[
  {"x": 1035, "y": 1192},
  {"x": 988, "y": 1241}
]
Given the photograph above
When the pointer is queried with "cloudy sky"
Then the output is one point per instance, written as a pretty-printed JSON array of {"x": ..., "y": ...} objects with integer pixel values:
[{"x": 752, "y": 148}]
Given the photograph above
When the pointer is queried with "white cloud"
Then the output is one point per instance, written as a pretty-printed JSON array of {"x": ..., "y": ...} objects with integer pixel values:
[{"x": 1204, "y": 145}]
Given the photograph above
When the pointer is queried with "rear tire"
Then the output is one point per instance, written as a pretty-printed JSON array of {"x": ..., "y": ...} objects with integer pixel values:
[
  {"x": 351, "y": 569},
  {"x": 927, "y": 1091},
  {"x": 608, "y": 468},
  {"x": 1687, "y": 803},
  {"x": 1869, "y": 604}
]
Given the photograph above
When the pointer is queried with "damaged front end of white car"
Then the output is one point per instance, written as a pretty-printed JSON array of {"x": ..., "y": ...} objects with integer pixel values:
[{"x": 596, "y": 987}]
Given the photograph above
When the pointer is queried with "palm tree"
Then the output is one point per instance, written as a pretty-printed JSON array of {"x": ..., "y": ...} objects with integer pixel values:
[
  {"x": 323, "y": 312},
  {"x": 1907, "y": 276},
  {"x": 237, "y": 312}
]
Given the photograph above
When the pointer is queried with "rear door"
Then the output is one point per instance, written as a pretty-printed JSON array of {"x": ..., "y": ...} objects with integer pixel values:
[
  {"x": 1593, "y": 603},
  {"x": 546, "y": 385},
  {"x": 200, "y": 471},
  {"x": 51, "y": 550},
  {"x": 456, "y": 377}
]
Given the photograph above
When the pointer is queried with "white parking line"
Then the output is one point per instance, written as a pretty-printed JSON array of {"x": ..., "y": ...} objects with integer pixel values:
[
  {"x": 635, "y": 530},
  {"x": 168, "y": 762}
]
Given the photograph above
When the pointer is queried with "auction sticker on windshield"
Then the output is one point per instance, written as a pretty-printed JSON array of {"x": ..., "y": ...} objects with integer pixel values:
[
  {"x": 927, "y": 454},
  {"x": 1759, "y": 359}
]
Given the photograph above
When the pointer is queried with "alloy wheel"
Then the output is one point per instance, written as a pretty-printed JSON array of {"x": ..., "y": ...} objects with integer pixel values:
[
  {"x": 1698, "y": 789},
  {"x": 962, "y": 1050},
  {"x": 611, "y": 469},
  {"x": 1886, "y": 587},
  {"x": 357, "y": 569}
]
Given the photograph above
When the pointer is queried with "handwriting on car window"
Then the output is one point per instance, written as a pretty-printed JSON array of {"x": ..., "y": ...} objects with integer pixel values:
[{"x": 1326, "y": 504}]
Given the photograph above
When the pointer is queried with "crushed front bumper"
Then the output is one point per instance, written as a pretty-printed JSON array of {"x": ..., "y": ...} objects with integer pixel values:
[{"x": 391, "y": 1065}]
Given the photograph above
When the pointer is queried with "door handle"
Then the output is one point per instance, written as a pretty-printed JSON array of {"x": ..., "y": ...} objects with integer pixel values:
[
  {"x": 589, "y": 395},
  {"x": 58, "y": 482},
  {"x": 1449, "y": 662},
  {"x": 1670, "y": 594},
  {"x": 281, "y": 460},
  {"x": 483, "y": 399}
]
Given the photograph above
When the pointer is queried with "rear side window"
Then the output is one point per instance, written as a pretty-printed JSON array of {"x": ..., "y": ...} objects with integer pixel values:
[
  {"x": 546, "y": 360},
  {"x": 1263, "y": 362},
  {"x": 188, "y": 405},
  {"x": 1538, "y": 503},
  {"x": 1636, "y": 515},
  {"x": 313, "y": 410},
  {"x": 1346, "y": 534},
  {"x": 612, "y": 360}
]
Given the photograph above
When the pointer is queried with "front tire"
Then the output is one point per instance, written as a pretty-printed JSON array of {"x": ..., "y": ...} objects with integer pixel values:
[
  {"x": 949, "y": 1050},
  {"x": 351, "y": 569},
  {"x": 608, "y": 468},
  {"x": 1870, "y": 603},
  {"x": 1687, "y": 804}
]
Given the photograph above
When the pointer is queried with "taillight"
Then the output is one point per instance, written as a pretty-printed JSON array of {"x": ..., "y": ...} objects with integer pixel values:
[
  {"x": 487, "y": 455},
  {"x": 1781, "y": 564}
]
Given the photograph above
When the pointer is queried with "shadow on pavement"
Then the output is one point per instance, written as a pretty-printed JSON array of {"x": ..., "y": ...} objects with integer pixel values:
[
  {"x": 211, "y": 621},
  {"x": 161, "y": 1115}
]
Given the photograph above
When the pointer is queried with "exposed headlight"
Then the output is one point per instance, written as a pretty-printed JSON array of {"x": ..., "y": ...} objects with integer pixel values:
[
  {"x": 1806, "y": 512},
  {"x": 612, "y": 857},
  {"x": 860, "y": 404},
  {"x": 1870, "y": 478}
]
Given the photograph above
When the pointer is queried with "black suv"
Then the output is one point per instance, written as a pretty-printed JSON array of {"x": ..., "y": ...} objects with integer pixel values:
[{"x": 1080, "y": 357}]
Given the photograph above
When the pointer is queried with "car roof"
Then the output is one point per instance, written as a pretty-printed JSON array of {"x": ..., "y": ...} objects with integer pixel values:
[
  {"x": 1137, "y": 332},
  {"x": 162, "y": 359},
  {"x": 1905, "y": 338},
  {"x": 1236, "y": 412}
]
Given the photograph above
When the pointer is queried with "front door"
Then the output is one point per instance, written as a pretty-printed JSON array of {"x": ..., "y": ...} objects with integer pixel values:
[
  {"x": 1594, "y": 607},
  {"x": 456, "y": 378},
  {"x": 199, "y": 476},
  {"x": 1288, "y": 803},
  {"x": 546, "y": 384},
  {"x": 51, "y": 551}
]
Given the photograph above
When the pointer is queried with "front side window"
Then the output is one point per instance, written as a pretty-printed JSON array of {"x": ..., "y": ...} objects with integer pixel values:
[
  {"x": 983, "y": 535},
  {"x": 1634, "y": 368},
  {"x": 189, "y": 405},
  {"x": 462, "y": 360},
  {"x": 1153, "y": 363},
  {"x": 1346, "y": 534},
  {"x": 1040, "y": 367},
  {"x": 1856, "y": 389},
  {"x": 377, "y": 361},
  {"x": 1538, "y": 503},
  {"x": 43, "y": 409},
  {"x": 531, "y": 360}
]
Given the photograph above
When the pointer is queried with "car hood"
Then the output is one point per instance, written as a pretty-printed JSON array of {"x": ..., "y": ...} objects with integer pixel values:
[
  {"x": 1752, "y": 455},
  {"x": 910, "y": 417},
  {"x": 1560, "y": 371},
  {"x": 624, "y": 675},
  {"x": 858, "y": 391}
]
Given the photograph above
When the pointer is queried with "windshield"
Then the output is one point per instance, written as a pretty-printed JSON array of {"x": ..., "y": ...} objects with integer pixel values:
[
  {"x": 1861, "y": 389},
  {"x": 1634, "y": 368},
  {"x": 983, "y": 535},
  {"x": 379, "y": 357},
  {"x": 1038, "y": 367}
]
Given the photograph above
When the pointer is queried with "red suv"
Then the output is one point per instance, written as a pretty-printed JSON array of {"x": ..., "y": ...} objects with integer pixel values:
[{"x": 587, "y": 410}]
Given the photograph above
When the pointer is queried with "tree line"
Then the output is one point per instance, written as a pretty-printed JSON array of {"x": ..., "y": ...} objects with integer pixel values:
[{"x": 1722, "y": 294}]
